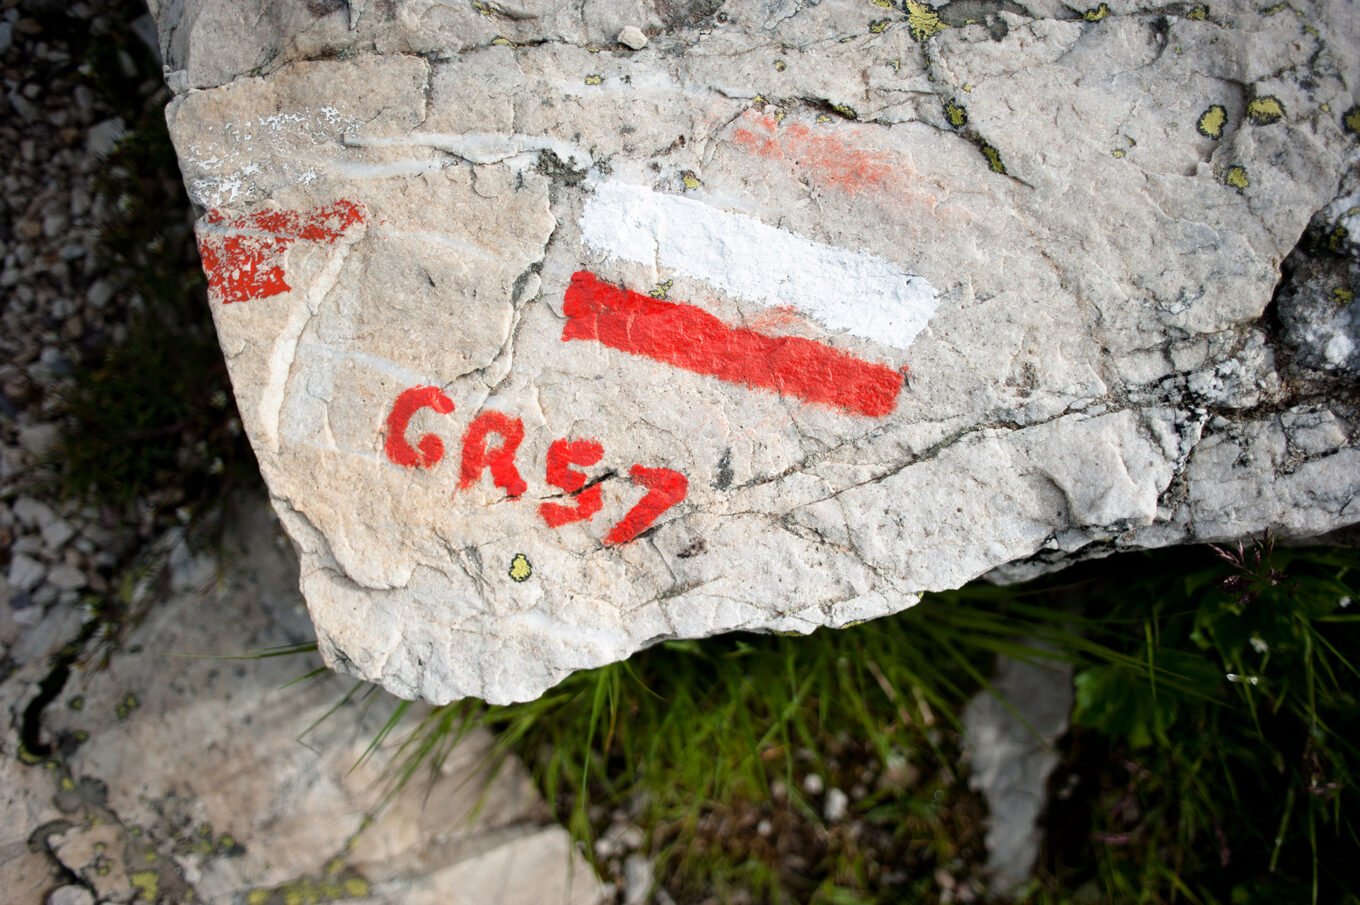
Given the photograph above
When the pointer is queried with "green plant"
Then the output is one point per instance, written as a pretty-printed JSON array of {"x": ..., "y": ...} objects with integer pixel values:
[{"x": 1235, "y": 784}]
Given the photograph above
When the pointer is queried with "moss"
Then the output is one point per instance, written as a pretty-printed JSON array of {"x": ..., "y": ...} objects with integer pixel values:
[
  {"x": 1350, "y": 120},
  {"x": 147, "y": 883},
  {"x": 994, "y": 161},
  {"x": 1265, "y": 110},
  {"x": 922, "y": 20},
  {"x": 1211, "y": 122}
]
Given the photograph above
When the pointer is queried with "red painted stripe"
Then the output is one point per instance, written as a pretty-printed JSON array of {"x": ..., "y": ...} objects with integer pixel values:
[{"x": 688, "y": 337}]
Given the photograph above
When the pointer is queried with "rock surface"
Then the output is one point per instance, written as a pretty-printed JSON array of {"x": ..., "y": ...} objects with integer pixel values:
[
  {"x": 174, "y": 777},
  {"x": 551, "y": 349}
]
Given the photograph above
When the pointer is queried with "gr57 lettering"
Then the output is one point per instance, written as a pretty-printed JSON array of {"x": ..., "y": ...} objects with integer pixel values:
[{"x": 491, "y": 443}]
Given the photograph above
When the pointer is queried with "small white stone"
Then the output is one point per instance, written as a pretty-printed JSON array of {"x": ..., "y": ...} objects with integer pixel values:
[
  {"x": 99, "y": 293},
  {"x": 837, "y": 803},
  {"x": 812, "y": 784},
  {"x": 633, "y": 38},
  {"x": 71, "y": 895},
  {"x": 638, "y": 878}
]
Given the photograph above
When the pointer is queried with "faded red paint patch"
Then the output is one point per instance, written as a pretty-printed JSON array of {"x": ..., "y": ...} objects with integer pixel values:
[
  {"x": 243, "y": 256},
  {"x": 688, "y": 337},
  {"x": 828, "y": 159}
]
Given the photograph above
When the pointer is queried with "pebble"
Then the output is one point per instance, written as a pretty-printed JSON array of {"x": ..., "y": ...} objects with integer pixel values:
[
  {"x": 812, "y": 784},
  {"x": 32, "y": 513},
  {"x": 56, "y": 533},
  {"x": 639, "y": 876},
  {"x": 71, "y": 895},
  {"x": 40, "y": 439},
  {"x": 836, "y": 806},
  {"x": 99, "y": 293},
  {"x": 25, "y": 572},
  {"x": 633, "y": 38},
  {"x": 104, "y": 137},
  {"x": 67, "y": 578}
]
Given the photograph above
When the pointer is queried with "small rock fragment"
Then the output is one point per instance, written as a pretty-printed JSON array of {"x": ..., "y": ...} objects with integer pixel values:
[
  {"x": 837, "y": 803},
  {"x": 71, "y": 895},
  {"x": 26, "y": 573},
  {"x": 633, "y": 38}
]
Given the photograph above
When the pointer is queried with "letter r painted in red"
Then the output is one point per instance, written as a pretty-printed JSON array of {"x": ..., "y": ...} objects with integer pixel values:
[{"x": 501, "y": 460}]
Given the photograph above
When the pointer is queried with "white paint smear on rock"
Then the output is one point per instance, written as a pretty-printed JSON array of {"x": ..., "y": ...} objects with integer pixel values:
[{"x": 845, "y": 291}]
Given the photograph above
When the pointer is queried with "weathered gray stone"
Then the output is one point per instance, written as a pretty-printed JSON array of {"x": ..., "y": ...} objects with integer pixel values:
[
  {"x": 1070, "y": 229},
  {"x": 222, "y": 781}
]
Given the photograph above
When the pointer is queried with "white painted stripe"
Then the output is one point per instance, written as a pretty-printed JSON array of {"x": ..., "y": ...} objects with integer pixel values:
[{"x": 845, "y": 291}]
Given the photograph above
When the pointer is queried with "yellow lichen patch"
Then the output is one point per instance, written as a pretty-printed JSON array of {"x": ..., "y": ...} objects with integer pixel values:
[
  {"x": 1343, "y": 295},
  {"x": 922, "y": 20},
  {"x": 594, "y": 79},
  {"x": 356, "y": 887},
  {"x": 1265, "y": 110},
  {"x": 147, "y": 883},
  {"x": 1351, "y": 120},
  {"x": 1118, "y": 153},
  {"x": 885, "y": 4},
  {"x": 128, "y": 704},
  {"x": 690, "y": 180},
  {"x": 780, "y": 65},
  {"x": 1198, "y": 13},
  {"x": 956, "y": 114},
  {"x": 1236, "y": 177},
  {"x": 520, "y": 568},
  {"x": 1096, "y": 14},
  {"x": 1212, "y": 121},
  {"x": 878, "y": 26},
  {"x": 844, "y": 110},
  {"x": 662, "y": 290},
  {"x": 257, "y": 897},
  {"x": 1273, "y": 10},
  {"x": 499, "y": 41},
  {"x": 823, "y": 118},
  {"x": 994, "y": 161}
]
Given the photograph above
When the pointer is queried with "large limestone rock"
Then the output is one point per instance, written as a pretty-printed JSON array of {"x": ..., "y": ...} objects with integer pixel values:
[{"x": 551, "y": 348}]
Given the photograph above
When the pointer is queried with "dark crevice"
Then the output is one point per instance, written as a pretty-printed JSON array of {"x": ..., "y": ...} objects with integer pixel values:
[{"x": 30, "y": 725}]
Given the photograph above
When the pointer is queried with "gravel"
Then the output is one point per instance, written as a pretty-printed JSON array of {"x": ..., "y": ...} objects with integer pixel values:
[{"x": 61, "y": 307}]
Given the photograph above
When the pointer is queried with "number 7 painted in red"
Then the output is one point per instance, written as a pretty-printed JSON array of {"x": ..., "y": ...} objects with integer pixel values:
[{"x": 665, "y": 488}]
